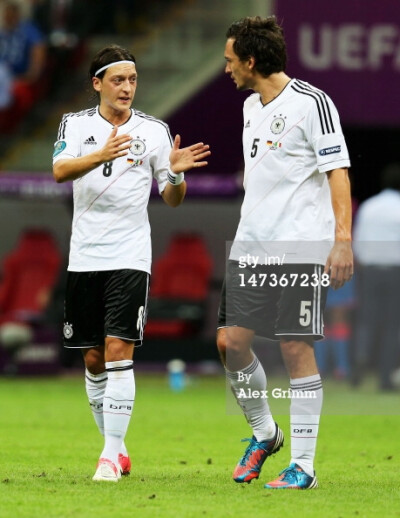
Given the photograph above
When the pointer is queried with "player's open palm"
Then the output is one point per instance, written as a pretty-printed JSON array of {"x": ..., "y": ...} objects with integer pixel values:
[
  {"x": 182, "y": 160},
  {"x": 116, "y": 146}
]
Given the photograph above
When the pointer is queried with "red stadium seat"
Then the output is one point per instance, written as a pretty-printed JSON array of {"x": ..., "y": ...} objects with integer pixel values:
[
  {"x": 179, "y": 288},
  {"x": 28, "y": 277}
]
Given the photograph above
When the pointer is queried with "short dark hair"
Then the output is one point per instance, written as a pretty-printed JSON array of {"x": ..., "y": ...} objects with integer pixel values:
[
  {"x": 262, "y": 39},
  {"x": 390, "y": 176},
  {"x": 108, "y": 55}
]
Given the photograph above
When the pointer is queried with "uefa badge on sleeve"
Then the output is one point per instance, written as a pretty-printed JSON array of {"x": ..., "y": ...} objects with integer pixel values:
[{"x": 59, "y": 147}]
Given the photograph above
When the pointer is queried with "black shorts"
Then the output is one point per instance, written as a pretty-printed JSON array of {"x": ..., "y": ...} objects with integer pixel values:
[
  {"x": 105, "y": 303},
  {"x": 275, "y": 300}
]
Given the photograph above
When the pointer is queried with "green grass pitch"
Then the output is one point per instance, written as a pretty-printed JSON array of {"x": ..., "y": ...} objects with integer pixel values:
[{"x": 184, "y": 447}]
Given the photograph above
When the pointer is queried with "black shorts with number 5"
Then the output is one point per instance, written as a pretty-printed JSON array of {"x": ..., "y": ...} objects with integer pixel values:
[
  {"x": 105, "y": 303},
  {"x": 275, "y": 300}
]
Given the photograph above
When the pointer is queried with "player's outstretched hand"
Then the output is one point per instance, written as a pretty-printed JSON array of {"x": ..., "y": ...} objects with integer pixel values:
[
  {"x": 116, "y": 146},
  {"x": 182, "y": 160}
]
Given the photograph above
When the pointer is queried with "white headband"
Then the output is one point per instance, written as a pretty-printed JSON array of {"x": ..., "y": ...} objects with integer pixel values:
[{"x": 112, "y": 64}]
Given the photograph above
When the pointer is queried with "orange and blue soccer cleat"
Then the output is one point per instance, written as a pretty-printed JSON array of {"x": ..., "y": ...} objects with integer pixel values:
[
  {"x": 256, "y": 454},
  {"x": 293, "y": 477},
  {"x": 125, "y": 463}
]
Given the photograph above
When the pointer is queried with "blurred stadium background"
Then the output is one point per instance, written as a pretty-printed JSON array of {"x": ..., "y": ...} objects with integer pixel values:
[{"x": 350, "y": 49}]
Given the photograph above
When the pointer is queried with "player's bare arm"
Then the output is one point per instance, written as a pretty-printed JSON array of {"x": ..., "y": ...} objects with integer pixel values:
[
  {"x": 72, "y": 168},
  {"x": 340, "y": 260},
  {"x": 182, "y": 160}
]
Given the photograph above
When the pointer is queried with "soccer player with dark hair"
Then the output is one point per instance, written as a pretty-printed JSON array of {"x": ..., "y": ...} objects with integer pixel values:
[
  {"x": 292, "y": 242},
  {"x": 112, "y": 153}
]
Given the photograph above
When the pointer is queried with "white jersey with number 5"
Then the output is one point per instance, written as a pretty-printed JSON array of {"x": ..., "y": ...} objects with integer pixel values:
[
  {"x": 289, "y": 144},
  {"x": 110, "y": 228}
]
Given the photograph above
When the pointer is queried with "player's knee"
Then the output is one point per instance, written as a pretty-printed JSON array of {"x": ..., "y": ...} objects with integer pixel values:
[
  {"x": 117, "y": 349},
  {"x": 294, "y": 346},
  {"x": 228, "y": 344},
  {"x": 94, "y": 360},
  {"x": 221, "y": 340},
  {"x": 221, "y": 344},
  {"x": 297, "y": 353},
  {"x": 231, "y": 342}
]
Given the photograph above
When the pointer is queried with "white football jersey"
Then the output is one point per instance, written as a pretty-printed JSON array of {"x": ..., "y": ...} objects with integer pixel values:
[
  {"x": 289, "y": 144},
  {"x": 110, "y": 227}
]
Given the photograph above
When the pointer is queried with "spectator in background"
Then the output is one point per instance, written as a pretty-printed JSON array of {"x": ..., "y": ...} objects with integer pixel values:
[
  {"x": 23, "y": 51},
  {"x": 377, "y": 251},
  {"x": 66, "y": 25},
  {"x": 332, "y": 353},
  {"x": 5, "y": 86}
]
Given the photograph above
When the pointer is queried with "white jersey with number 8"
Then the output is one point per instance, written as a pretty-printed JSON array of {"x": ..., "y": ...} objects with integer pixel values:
[{"x": 110, "y": 228}]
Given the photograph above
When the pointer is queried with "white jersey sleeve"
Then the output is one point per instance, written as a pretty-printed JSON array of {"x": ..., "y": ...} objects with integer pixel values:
[
  {"x": 324, "y": 133},
  {"x": 160, "y": 161},
  {"x": 68, "y": 144}
]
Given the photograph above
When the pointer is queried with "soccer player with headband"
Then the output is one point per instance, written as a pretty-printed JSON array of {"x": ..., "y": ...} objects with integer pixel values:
[{"x": 112, "y": 153}]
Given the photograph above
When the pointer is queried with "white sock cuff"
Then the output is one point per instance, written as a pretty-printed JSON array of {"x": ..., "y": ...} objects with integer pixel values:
[
  {"x": 313, "y": 382},
  {"x": 247, "y": 370},
  {"x": 121, "y": 365},
  {"x": 96, "y": 378}
]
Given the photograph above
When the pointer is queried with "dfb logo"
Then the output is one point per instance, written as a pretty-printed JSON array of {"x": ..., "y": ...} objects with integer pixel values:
[{"x": 120, "y": 407}]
